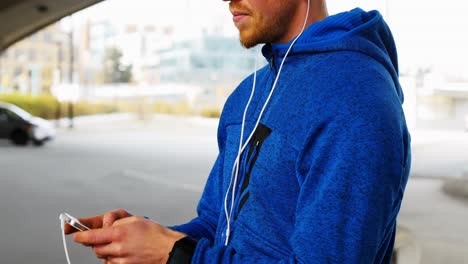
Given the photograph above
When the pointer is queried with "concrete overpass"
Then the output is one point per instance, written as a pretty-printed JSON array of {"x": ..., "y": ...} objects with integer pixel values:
[{"x": 21, "y": 18}]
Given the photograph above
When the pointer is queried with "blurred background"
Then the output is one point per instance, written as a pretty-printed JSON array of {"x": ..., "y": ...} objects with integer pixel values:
[{"x": 119, "y": 104}]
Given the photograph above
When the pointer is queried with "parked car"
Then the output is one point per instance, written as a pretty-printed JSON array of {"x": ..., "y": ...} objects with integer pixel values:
[{"x": 21, "y": 127}]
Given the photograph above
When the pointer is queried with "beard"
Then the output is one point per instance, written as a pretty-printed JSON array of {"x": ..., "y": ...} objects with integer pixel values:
[{"x": 267, "y": 29}]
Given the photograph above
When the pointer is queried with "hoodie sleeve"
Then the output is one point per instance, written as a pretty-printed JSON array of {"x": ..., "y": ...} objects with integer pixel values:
[
  {"x": 353, "y": 178},
  {"x": 353, "y": 169}
]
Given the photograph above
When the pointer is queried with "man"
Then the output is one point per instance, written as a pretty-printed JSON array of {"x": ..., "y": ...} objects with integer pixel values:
[{"x": 320, "y": 172}]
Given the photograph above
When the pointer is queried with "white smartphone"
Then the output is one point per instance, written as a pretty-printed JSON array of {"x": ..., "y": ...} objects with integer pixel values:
[{"x": 75, "y": 223}]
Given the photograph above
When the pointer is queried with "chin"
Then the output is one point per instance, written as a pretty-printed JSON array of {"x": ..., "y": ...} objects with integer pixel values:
[
  {"x": 248, "y": 41},
  {"x": 248, "y": 45}
]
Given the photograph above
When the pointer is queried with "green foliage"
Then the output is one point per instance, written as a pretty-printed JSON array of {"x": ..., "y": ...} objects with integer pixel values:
[
  {"x": 43, "y": 106},
  {"x": 85, "y": 108},
  {"x": 47, "y": 106},
  {"x": 211, "y": 112},
  {"x": 114, "y": 70},
  {"x": 177, "y": 108},
  {"x": 183, "y": 108}
]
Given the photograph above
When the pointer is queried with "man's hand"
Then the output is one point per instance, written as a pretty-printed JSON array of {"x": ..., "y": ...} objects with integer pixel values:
[
  {"x": 100, "y": 221},
  {"x": 130, "y": 240}
]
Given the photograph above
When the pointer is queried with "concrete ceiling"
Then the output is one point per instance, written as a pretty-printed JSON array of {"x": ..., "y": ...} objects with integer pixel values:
[{"x": 20, "y": 18}]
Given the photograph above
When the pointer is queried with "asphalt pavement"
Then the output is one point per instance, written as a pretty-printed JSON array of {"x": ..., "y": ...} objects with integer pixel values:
[
  {"x": 158, "y": 168},
  {"x": 434, "y": 209}
]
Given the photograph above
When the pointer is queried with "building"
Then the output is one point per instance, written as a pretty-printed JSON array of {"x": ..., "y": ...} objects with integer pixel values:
[
  {"x": 212, "y": 61},
  {"x": 95, "y": 37},
  {"x": 138, "y": 43},
  {"x": 435, "y": 101},
  {"x": 444, "y": 105},
  {"x": 34, "y": 64}
]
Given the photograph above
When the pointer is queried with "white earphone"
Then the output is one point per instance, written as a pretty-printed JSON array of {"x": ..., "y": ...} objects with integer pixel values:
[
  {"x": 62, "y": 227},
  {"x": 242, "y": 146}
]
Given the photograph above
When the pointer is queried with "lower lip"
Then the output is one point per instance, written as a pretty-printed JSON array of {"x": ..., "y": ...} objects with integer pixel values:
[{"x": 238, "y": 18}]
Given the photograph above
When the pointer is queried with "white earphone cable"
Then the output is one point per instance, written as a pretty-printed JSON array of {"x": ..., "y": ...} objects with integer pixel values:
[
  {"x": 62, "y": 227},
  {"x": 235, "y": 169}
]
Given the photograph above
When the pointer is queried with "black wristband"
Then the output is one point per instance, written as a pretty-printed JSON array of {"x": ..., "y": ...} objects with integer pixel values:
[{"x": 182, "y": 251}]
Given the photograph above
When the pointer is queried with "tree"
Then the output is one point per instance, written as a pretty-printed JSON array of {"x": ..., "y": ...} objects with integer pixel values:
[{"x": 114, "y": 70}]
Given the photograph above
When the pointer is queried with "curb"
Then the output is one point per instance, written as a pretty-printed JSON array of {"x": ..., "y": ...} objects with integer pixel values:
[{"x": 406, "y": 250}]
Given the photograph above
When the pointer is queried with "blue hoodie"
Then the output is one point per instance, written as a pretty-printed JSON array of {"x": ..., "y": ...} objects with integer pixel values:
[{"x": 323, "y": 177}]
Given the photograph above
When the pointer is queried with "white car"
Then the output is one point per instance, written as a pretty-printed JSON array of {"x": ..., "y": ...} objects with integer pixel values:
[{"x": 21, "y": 127}]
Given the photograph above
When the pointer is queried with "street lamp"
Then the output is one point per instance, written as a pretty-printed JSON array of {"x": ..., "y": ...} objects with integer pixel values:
[{"x": 58, "y": 80}]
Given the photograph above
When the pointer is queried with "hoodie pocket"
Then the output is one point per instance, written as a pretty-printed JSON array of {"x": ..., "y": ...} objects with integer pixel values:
[{"x": 261, "y": 134}]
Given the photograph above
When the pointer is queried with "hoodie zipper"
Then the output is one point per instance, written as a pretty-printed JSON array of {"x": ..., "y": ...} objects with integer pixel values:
[{"x": 272, "y": 61}]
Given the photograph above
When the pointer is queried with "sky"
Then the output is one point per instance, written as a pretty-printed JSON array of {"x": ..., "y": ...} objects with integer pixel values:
[{"x": 429, "y": 33}]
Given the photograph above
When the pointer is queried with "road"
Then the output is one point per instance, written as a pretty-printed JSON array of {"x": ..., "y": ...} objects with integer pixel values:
[
  {"x": 437, "y": 221},
  {"x": 158, "y": 168}
]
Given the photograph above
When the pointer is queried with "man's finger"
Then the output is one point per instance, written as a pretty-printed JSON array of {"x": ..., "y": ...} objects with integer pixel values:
[
  {"x": 110, "y": 251},
  {"x": 129, "y": 220},
  {"x": 91, "y": 222},
  {"x": 69, "y": 229},
  {"x": 99, "y": 221},
  {"x": 101, "y": 257},
  {"x": 116, "y": 260},
  {"x": 110, "y": 217},
  {"x": 94, "y": 237}
]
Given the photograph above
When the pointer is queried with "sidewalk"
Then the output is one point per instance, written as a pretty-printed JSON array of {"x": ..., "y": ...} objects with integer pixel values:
[
  {"x": 436, "y": 223},
  {"x": 435, "y": 206},
  {"x": 131, "y": 121},
  {"x": 100, "y": 119}
]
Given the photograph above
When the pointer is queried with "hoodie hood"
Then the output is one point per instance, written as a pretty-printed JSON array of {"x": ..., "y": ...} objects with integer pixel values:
[{"x": 355, "y": 30}]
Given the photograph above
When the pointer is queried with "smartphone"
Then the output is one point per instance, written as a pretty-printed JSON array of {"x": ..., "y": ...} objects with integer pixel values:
[{"x": 75, "y": 223}]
